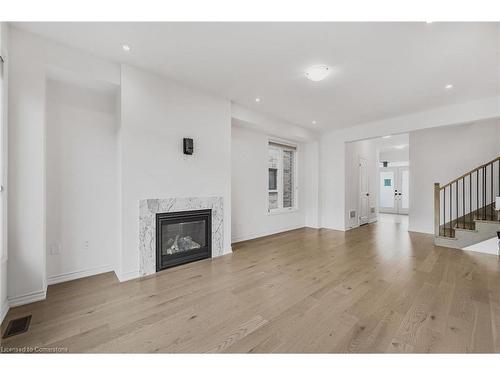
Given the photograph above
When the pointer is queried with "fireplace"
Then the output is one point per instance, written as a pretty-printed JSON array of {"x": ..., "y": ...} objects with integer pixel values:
[{"x": 183, "y": 237}]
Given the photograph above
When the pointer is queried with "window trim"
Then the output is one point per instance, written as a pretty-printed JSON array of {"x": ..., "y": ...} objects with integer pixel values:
[{"x": 295, "y": 207}]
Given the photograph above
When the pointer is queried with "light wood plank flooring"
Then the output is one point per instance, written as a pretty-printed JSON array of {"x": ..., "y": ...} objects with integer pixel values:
[{"x": 377, "y": 288}]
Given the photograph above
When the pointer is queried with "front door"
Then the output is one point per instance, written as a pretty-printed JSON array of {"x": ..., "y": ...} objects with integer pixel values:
[{"x": 394, "y": 190}]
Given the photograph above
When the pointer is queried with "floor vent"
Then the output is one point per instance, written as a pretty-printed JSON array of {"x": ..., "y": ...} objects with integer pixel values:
[{"x": 17, "y": 326}]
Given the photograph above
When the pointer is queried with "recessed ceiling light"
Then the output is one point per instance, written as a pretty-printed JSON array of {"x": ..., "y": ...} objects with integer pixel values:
[
  {"x": 314, "y": 122},
  {"x": 257, "y": 100},
  {"x": 126, "y": 47},
  {"x": 318, "y": 72},
  {"x": 386, "y": 136},
  {"x": 428, "y": 22},
  {"x": 448, "y": 86},
  {"x": 399, "y": 147}
]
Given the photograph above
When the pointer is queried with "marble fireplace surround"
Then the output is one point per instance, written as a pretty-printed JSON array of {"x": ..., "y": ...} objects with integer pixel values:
[{"x": 148, "y": 208}]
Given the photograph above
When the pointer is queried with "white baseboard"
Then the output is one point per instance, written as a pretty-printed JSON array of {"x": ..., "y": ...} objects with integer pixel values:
[
  {"x": 5, "y": 310},
  {"x": 27, "y": 298},
  {"x": 126, "y": 276},
  {"x": 340, "y": 229},
  {"x": 78, "y": 274},
  {"x": 420, "y": 230},
  {"x": 312, "y": 226},
  {"x": 370, "y": 221},
  {"x": 258, "y": 235}
]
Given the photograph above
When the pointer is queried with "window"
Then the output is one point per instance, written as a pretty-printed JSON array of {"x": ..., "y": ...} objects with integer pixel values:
[
  {"x": 273, "y": 179},
  {"x": 282, "y": 177}
]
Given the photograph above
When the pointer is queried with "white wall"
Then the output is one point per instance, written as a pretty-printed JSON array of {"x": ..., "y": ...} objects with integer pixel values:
[
  {"x": 244, "y": 117},
  {"x": 332, "y": 148},
  {"x": 366, "y": 149},
  {"x": 395, "y": 155},
  {"x": 441, "y": 155},
  {"x": 332, "y": 181},
  {"x": 250, "y": 132},
  {"x": 310, "y": 151},
  {"x": 156, "y": 114},
  {"x": 31, "y": 58},
  {"x": 82, "y": 181},
  {"x": 4, "y": 305},
  {"x": 26, "y": 174},
  {"x": 249, "y": 179}
]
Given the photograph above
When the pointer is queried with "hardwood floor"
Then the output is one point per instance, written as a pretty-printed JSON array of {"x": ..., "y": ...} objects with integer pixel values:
[{"x": 377, "y": 288}]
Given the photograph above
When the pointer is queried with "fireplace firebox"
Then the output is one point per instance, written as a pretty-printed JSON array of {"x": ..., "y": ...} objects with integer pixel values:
[{"x": 183, "y": 237}]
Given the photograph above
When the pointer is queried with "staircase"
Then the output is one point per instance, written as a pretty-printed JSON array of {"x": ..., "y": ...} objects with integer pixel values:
[{"x": 464, "y": 209}]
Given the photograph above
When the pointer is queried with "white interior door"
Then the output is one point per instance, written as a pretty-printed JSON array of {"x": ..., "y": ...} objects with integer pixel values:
[
  {"x": 394, "y": 190},
  {"x": 364, "y": 187},
  {"x": 404, "y": 190}
]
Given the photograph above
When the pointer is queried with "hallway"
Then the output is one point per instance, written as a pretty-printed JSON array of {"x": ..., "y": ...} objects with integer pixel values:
[{"x": 400, "y": 220}]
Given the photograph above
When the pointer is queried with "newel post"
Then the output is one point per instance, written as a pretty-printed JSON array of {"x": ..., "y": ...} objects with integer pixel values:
[{"x": 437, "y": 205}]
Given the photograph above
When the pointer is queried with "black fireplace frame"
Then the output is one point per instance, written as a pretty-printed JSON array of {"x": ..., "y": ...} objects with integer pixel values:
[{"x": 188, "y": 256}]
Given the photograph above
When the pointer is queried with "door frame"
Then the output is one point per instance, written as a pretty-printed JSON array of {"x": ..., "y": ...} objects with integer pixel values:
[
  {"x": 401, "y": 210},
  {"x": 363, "y": 195}
]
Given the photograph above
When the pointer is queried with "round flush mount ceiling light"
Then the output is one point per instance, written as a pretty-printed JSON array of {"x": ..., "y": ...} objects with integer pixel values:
[
  {"x": 126, "y": 47},
  {"x": 318, "y": 72},
  {"x": 257, "y": 100},
  {"x": 448, "y": 86}
]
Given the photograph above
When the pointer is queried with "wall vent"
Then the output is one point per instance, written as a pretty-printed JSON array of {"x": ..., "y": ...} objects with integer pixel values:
[
  {"x": 352, "y": 214},
  {"x": 372, "y": 210}
]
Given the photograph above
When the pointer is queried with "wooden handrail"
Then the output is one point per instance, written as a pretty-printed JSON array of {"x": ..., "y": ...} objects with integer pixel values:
[
  {"x": 466, "y": 198},
  {"x": 470, "y": 172}
]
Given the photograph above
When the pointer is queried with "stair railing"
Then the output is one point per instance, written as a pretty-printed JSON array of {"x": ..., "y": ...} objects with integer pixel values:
[{"x": 468, "y": 197}]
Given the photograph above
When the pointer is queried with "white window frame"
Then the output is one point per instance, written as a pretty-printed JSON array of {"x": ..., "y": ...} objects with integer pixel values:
[{"x": 279, "y": 177}]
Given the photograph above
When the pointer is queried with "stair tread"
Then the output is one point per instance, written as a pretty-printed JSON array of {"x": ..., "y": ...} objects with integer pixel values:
[{"x": 468, "y": 221}]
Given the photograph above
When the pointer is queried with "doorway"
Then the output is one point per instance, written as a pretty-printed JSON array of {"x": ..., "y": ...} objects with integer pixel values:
[
  {"x": 377, "y": 179},
  {"x": 394, "y": 190},
  {"x": 394, "y": 175}
]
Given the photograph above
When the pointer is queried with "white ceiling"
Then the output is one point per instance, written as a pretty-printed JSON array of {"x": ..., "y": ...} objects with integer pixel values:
[
  {"x": 381, "y": 70},
  {"x": 389, "y": 144}
]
